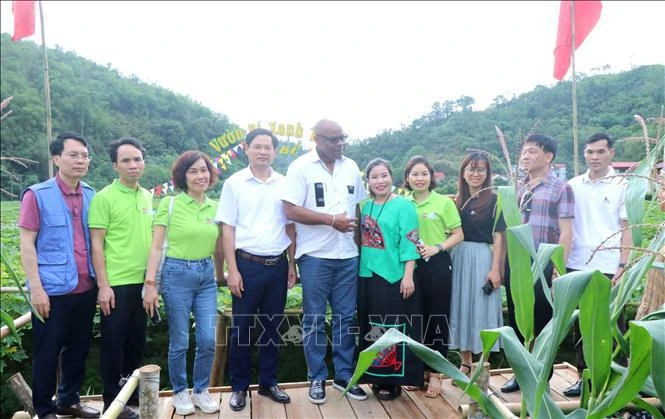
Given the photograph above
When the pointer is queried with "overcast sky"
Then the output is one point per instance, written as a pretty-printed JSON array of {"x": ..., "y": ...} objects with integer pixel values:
[{"x": 369, "y": 65}]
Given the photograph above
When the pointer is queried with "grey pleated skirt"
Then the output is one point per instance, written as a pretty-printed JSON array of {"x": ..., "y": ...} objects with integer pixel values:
[{"x": 471, "y": 310}]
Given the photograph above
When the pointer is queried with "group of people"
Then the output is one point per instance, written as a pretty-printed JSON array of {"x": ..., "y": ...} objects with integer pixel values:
[{"x": 427, "y": 264}]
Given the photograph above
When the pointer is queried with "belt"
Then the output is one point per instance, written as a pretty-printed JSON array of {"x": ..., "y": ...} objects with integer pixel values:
[{"x": 263, "y": 260}]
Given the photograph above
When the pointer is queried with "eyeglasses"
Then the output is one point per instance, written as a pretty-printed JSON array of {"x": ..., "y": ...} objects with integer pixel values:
[
  {"x": 333, "y": 140},
  {"x": 77, "y": 156},
  {"x": 476, "y": 170}
]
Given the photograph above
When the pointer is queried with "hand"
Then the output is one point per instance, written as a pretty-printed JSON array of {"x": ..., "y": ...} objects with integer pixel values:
[
  {"x": 406, "y": 287},
  {"x": 426, "y": 251},
  {"x": 150, "y": 299},
  {"x": 617, "y": 276},
  {"x": 40, "y": 302},
  {"x": 343, "y": 223},
  {"x": 106, "y": 300},
  {"x": 555, "y": 274},
  {"x": 234, "y": 282},
  {"x": 293, "y": 277},
  {"x": 495, "y": 277}
]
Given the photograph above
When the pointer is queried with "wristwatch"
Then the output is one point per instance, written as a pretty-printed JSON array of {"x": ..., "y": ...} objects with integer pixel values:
[
  {"x": 440, "y": 247},
  {"x": 622, "y": 265}
]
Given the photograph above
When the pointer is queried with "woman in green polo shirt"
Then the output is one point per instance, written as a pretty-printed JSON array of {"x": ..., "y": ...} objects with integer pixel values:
[
  {"x": 440, "y": 229},
  {"x": 389, "y": 233},
  {"x": 188, "y": 277}
]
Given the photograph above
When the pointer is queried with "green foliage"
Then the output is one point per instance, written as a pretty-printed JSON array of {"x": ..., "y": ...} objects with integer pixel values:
[
  {"x": 101, "y": 104},
  {"x": 605, "y": 102}
]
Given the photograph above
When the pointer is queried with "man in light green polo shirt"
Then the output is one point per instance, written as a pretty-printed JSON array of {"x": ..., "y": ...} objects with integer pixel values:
[{"x": 120, "y": 221}]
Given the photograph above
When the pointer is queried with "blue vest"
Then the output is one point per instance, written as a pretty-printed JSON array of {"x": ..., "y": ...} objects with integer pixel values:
[{"x": 55, "y": 241}]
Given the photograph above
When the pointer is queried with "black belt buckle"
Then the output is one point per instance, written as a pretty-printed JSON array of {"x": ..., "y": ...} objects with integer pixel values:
[{"x": 271, "y": 261}]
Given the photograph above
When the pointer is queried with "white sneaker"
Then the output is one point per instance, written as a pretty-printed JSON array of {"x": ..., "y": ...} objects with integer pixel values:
[
  {"x": 182, "y": 403},
  {"x": 205, "y": 402}
]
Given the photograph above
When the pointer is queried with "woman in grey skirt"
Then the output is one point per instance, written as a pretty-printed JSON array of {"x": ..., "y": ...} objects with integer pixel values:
[{"x": 476, "y": 298}]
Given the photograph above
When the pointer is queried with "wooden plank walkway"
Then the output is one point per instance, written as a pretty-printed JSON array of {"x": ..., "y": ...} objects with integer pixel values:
[{"x": 410, "y": 405}]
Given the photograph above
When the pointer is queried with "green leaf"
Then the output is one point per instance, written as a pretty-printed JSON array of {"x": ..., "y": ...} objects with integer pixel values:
[
  {"x": 521, "y": 280},
  {"x": 528, "y": 370},
  {"x": 8, "y": 320},
  {"x": 636, "y": 192},
  {"x": 568, "y": 290},
  {"x": 653, "y": 410},
  {"x": 14, "y": 277},
  {"x": 507, "y": 205},
  {"x": 642, "y": 335},
  {"x": 594, "y": 319},
  {"x": 432, "y": 358}
]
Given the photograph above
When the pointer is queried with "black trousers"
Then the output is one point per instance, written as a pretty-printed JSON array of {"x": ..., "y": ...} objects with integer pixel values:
[
  {"x": 67, "y": 332},
  {"x": 542, "y": 310},
  {"x": 122, "y": 341},
  {"x": 261, "y": 308},
  {"x": 434, "y": 279}
]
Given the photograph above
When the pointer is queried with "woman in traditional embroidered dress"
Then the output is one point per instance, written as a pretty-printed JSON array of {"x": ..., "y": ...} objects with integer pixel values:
[{"x": 389, "y": 233}]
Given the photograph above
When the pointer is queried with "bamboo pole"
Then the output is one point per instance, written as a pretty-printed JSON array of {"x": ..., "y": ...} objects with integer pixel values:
[
  {"x": 121, "y": 399},
  {"x": 47, "y": 94},
  {"x": 22, "y": 391},
  {"x": 482, "y": 382},
  {"x": 18, "y": 323},
  {"x": 576, "y": 140},
  {"x": 149, "y": 391}
]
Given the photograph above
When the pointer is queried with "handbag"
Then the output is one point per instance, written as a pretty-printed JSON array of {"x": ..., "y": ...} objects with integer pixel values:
[{"x": 165, "y": 245}]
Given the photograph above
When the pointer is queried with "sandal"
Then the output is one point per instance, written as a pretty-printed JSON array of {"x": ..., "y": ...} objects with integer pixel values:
[
  {"x": 386, "y": 392},
  {"x": 434, "y": 386},
  {"x": 411, "y": 388},
  {"x": 468, "y": 367}
]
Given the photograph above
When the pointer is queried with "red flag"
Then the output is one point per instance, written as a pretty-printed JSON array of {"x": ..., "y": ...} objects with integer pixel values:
[
  {"x": 24, "y": 19},
  {"x": 587, "y": 14}
]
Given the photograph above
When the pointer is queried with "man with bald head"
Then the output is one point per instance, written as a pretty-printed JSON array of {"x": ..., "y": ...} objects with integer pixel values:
[{"x": 321, "y": 195}]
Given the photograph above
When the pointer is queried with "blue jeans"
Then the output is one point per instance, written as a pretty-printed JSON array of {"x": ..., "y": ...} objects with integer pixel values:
[
  {"x": 334, "y": 281},
  {"x": 189, "y": 287}
]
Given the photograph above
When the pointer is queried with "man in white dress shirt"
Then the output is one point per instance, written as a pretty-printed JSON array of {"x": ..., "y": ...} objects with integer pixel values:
[{"x": 259, "y": 246}]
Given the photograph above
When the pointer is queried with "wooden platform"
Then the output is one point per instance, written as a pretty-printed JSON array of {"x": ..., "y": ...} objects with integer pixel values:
[{"x": 411, "y": 404}]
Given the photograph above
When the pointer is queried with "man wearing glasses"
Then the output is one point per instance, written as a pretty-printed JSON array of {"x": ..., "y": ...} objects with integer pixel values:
[
  {"x": 548, "y": 206},
  {"x": 121, "y": 229},
  {"x": 56, "y": 256},
  {"x": 321, "y": 194}
]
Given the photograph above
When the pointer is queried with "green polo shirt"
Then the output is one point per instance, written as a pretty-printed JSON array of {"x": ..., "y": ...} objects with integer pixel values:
[
  {"x": 126, "y": 215},
  {"x": 192, "y": 231},
  {"x": 437, "y": 216},
  {"x": 388, "y": 238}
]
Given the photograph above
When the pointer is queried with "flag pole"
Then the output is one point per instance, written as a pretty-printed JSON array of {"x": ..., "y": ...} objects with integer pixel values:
[
  {"x": 47, "y": 93},
  {"x": 572, "y": 57}
]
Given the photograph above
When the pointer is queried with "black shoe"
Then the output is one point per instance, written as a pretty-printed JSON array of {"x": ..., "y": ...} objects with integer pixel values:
[
  {"x": 275, "y": 393},
  {"x": 575, "y": 390},
  {"x": 238, "y": 400},
  {"x": 510, "y": 386},
  {"x": 78, "y": 410},
  {"x": 354, "y": 392},
  {"x": 317, "y": 392},
  {"x": 49, "y": 416}
]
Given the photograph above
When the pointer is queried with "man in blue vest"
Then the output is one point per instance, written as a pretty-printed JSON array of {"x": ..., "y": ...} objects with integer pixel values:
[{"x": 56, "y": 256}]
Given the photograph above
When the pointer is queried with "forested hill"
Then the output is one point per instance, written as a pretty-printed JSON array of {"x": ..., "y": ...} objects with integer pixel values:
[
  {"x": 605, "y": 102},
  {"x": 103, "y": 105}
]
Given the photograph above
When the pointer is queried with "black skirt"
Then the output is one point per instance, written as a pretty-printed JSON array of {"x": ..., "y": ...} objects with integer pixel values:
[{"x": 380, "y": 307}]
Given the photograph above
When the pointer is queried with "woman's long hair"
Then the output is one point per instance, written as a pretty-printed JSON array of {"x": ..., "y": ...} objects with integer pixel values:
[{"x": 463, "y": 193}]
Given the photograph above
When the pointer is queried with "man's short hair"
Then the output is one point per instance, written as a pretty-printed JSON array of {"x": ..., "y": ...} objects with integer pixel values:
[
  {"x": 599, "y": 136},
  {"x": 260, "y": 131},
  {"x": 544, "y": 142},
  {"x": 57, "y": 145},
  {"x": 115, "y": 145}
]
